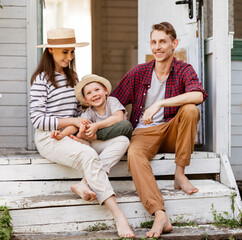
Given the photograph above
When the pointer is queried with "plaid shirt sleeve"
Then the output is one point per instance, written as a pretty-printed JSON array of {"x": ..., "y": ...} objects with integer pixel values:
[{"x": 191, "y": 81}]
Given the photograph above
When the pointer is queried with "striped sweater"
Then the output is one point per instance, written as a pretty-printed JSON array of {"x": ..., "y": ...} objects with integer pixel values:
[{"x": 48, "y": 103}]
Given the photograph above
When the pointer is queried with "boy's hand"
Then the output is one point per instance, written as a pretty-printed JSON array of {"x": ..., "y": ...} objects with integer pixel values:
[
  {"x": 91, "y": 130},
  {"x": 57, "y": 135}
]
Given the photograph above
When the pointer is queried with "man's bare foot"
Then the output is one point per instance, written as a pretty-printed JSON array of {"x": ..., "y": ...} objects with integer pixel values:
[
  {"x": 80, "y": 140},
  {"x": 182, "y": 182},
  {"x": 123, "y": 227},
  {"x": 82, "y": 189},
  {"x": 161, "y": 225}
]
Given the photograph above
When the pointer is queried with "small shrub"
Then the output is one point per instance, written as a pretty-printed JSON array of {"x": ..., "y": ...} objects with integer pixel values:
[{"x": 6, "y": 227}]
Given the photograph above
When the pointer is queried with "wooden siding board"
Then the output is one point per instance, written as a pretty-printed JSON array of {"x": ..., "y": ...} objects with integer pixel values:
[
  {"x": 13, "y": 2},
  {"x": 236, "y": 141},
  {"x": 236, "y": 155},
  {"x": 13, "y": 49},
  {"x": 121, "y": 4},
  {"x": 236, "y": 109},
  {"x": 237, "y": 89},
  {"x": 15, "y": 99},
  {"x": 13, "y": 62},
  {"x": 7, "y": 87},
  {"x": 12, "y": 23},
  {"x": 236, "y": 120},
  {"x": 236, "y": 130},
  {"x": 120, "y": 12},
  {"x": 13, "y": 111},
  {"x": 13, "y": 35},
  {"x": 13, "y": 141},
  {"x": 13, "y": 131},
  {"x": 13, "y": 122},
  {"x": 130, "y": 21},
  {"x": 236, "y": 99},
  {"x": 236, "y": 77},
  {"x": 13, "y": 74},
  {"x": 13, "y": 12}
]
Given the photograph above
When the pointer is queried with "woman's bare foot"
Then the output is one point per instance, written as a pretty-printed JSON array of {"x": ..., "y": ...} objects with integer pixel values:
[
  {"x": 182, "y": 182},
  {"x": 80, "y": 140},
  {"x": 82, "y": 189},
  {"x": 121, "y": 222},
  {"x": 161, "y": 225},
  {"x": 123, "y": 227}
]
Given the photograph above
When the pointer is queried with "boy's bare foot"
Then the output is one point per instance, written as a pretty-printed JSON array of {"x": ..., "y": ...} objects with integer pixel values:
[
  {"x": 80, "y": 140},
  {"x": 161, "y": 225},
  {"x": 182, "y": 182},
  {"x": 82, "y": 189},
  {"x": 123, "y": 227}
]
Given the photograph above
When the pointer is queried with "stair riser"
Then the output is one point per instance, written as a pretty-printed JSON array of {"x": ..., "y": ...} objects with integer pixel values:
[{"x": 67, "y": 219}]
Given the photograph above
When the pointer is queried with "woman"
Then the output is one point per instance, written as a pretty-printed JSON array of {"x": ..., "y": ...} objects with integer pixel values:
[{"x": 53, "y": 106}]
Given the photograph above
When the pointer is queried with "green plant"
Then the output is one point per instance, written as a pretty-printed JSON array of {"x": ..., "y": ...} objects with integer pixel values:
[
  {"x": 179, "y": 222},
  {"x": 226, "y": 220},
  {"x": 6, "y": 227},
  {"x": 147, "y": 224},
  {"x": 97, "y": 227}
]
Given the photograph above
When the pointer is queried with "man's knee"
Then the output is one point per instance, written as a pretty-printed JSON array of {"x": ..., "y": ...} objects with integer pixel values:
[{"x": 190, "y": 111}]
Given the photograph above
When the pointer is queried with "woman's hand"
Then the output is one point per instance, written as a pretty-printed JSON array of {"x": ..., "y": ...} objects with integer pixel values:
[{"x": 150, "y": 112}]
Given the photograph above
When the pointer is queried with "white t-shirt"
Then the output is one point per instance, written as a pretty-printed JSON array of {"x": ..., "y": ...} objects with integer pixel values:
[
  {"x": 155, "y": 92},
  {"x": 112, "y": 106}
]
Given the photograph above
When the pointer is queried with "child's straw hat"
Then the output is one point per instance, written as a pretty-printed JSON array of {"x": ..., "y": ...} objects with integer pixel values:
[
  {"x": 62, "y": 38},
  {"x": 89, "y": 79}
]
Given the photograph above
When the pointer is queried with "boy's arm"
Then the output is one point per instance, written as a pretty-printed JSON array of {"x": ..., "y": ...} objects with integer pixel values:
[{"x": 115, "y": 118}]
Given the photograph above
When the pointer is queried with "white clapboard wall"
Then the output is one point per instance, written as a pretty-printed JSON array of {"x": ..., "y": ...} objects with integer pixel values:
[
  {"x": 236, "y": 119},
  {"x": 13, "y": 110}
]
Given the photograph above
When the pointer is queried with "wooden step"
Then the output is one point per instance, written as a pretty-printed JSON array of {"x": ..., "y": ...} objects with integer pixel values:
[
  {"x": 61, "y": 212},
  {"x": 34, "y": 167}
]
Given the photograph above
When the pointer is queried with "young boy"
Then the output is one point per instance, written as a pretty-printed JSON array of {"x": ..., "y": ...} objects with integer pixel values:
[{"x": 105, "y": 119}]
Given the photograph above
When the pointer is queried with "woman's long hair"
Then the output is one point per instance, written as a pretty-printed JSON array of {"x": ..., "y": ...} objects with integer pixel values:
[{"x": 47, "y": 66}]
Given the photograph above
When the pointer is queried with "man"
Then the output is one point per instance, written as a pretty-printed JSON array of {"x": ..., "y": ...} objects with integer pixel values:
[{"x": 163, "y": 94}]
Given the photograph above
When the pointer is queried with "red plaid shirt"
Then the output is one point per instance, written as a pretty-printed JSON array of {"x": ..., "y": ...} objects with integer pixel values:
[{"x": 134, "y": 86}]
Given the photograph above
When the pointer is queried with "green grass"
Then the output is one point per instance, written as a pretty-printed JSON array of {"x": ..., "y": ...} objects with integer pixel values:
[
  {"x": 6, "y": 227},
  {"x": 97, "y": 227}
]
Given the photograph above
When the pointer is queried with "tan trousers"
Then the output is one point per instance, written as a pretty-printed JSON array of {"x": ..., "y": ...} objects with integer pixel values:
[{"x": 176, "y": 136}]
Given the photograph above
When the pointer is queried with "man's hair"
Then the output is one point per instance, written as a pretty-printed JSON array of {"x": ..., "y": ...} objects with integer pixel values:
[{"x": 166, "y": 27}]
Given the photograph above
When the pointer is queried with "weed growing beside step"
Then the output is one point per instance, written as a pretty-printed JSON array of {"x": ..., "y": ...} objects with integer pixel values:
[
  {"x": 97, "y": 227},
  {"x": 226, "y": 220},
  {"x": 6, "y": 227}
]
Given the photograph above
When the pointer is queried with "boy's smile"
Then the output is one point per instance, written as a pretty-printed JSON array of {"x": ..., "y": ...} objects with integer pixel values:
[{"x": 95, "y": 94}]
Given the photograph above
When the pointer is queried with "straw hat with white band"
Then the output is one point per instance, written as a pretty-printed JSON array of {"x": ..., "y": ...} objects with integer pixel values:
[
  {"x": 62, "y": 38},
  {"x": 89, "y": 79}
]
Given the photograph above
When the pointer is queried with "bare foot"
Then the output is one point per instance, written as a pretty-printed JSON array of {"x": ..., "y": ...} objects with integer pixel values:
[
  {"x": 182, "y": 182},
  {"x": 161, "y": 225},
  {"x": 123, "y": 227},
  {"x": 80, "y": 140},
  {"x": 82, "y": 189}
]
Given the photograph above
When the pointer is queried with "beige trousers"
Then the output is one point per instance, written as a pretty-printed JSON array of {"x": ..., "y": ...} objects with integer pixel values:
[
  {"x": 110, "y": 151},
  {"x": 78, "y": 156},
  {"x": 176, "y": 136}
]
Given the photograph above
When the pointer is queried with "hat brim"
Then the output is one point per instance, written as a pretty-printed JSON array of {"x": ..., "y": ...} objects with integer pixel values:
[
  {"x": 82, "y": 44},
  {"x": 89, "y": 79}
]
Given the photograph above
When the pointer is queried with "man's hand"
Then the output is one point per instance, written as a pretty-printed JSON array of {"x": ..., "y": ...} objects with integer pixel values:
[{"x": 150, "y": 112}]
